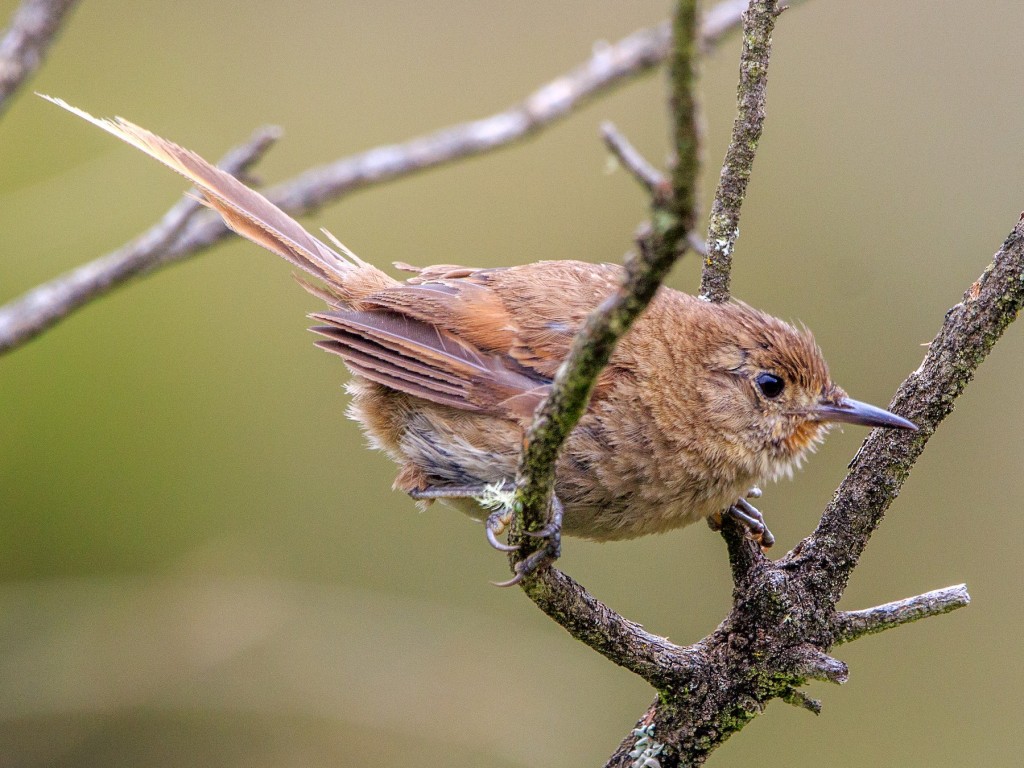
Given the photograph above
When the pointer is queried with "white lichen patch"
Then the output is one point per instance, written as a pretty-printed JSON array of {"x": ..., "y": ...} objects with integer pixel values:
[{"x": 646, "y": 749}]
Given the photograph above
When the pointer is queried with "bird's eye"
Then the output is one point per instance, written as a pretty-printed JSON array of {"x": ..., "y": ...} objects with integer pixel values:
[{"x": 771, "y": 386}]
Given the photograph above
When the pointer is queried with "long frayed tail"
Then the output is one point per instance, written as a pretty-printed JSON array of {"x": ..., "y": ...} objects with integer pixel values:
[{"x": 244, "y": 210}]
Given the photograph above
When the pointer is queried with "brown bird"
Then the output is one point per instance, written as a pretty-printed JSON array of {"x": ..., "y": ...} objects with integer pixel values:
[{"x": 700, "y": 404}]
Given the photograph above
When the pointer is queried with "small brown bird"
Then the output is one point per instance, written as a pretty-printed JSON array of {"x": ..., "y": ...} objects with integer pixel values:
[{"x": 700, "y": 404}]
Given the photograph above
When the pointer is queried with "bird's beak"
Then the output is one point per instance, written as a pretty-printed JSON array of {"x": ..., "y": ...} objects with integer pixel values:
[{"x": 856, "y": 412}]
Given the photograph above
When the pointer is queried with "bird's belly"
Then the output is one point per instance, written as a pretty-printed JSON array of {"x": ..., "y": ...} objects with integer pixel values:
[
  {"x": 608, "y": 491},
  {"x": 618, "y": 518},
  {"x": 628, "y": 517}
]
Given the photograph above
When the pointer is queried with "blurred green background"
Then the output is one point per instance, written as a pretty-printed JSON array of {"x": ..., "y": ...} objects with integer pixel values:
[{"x": 201, "y": 565}]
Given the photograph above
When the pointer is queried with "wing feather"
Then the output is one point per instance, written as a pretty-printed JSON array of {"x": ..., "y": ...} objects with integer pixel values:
[{"x": 423, "y": 360}]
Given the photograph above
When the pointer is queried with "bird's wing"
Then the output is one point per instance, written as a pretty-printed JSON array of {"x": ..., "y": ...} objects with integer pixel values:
[
  {"x": 530, "y": 313},
  {"x": 476, "y": 339},
  {"x": 419, "y": 358}
]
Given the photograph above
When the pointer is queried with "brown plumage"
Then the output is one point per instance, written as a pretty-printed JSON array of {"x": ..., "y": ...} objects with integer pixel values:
[{"x": 700, "y": 402}]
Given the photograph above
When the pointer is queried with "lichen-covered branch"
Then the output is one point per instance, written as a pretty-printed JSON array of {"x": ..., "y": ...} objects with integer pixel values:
[
  {"x": 46, "y": 304},
  {"x": 570, "y": 391},
  {"x": 34, "y": 27},
  {"x": 680, "y": 210},
  {"x": 783, "y": 621},
  {"x": 850, "y": 625},
  {"x": 663, "y": 664},
  {"x": 926, "y": 397},
  {"x": 751, "y": 93}
]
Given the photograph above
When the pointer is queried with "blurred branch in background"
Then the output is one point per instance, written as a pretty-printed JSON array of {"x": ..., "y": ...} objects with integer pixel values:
[
  {"x": 609, "y": 66},
  {"x": 34, "y": 27},
  {"x": 50, "y": 302}
]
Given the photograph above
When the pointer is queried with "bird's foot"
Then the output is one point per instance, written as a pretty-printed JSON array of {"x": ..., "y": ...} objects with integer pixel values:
[
  {"x": 751, "y": 518},
  {"x": 497, "y": 523},
  {"x": 547, "y": 554}
]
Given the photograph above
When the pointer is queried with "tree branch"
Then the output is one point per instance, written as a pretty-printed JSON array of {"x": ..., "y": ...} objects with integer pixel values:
[
  {"x": 629, "y": 157},
  {"x": 34, "y": 27},
  {"x": 751, "y": 93},
  {"x": 927, "y": 396},
  {"x": 663, "y": 664},
  {"x": 850, "y": 625}
]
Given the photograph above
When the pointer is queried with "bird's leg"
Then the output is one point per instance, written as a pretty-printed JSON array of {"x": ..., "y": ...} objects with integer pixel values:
[
  {"x": 751, "y": 518},
  {"x": 496, "y": 522},
  {"x": 754, "y": 492},
  {"x": 547, "y": 554}
]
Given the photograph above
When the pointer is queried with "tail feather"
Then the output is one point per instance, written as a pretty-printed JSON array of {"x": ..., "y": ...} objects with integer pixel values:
[{"x": 246, "y": 211}]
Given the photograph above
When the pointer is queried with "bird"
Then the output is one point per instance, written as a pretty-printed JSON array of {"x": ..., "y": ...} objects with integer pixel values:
[{"x": 700, "y": 404}]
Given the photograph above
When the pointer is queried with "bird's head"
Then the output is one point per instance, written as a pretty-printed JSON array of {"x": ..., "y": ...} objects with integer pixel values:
[{"x": 771, "y": 394}]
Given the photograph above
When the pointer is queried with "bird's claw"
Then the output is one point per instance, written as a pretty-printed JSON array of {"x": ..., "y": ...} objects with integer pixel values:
[
  {"x": 533, "y": 562},
  {"x": 750, "y": 517},
  {"x": 546, "y": 532},
  {"x": 544, "y": 556},
  {"x": 496, "y": 524},
  {"x": 498, "y": 521}
]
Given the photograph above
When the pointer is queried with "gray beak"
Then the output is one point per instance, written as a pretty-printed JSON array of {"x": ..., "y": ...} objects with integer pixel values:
[{"x": 856, "y": 412}]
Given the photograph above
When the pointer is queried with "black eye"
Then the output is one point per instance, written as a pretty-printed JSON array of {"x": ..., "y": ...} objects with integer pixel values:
[{"x": 771, "y": 386}]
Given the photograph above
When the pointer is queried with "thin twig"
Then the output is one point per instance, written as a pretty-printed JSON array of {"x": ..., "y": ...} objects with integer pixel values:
[
  {"x": 850, "y": 625},
  {"x": 629, "y": 157},
  {"x": 34, "y": 27},
  {"x": 44, "y": 305},
  {"x": 594, "y": 344},
  {"x": 649, "y": 177},
  {"x": 801, "y": 700},
  {"x": 609, "y": 66},
  {"x": 722, "y": 18},
  {"x": 570, "y": 391},
  {"x": 723, "y": 229},
  {"x": 679, "y": 215}
]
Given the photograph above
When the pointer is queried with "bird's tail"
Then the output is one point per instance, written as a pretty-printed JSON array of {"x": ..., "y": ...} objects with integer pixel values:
[{"x": 347, "y": 278}]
